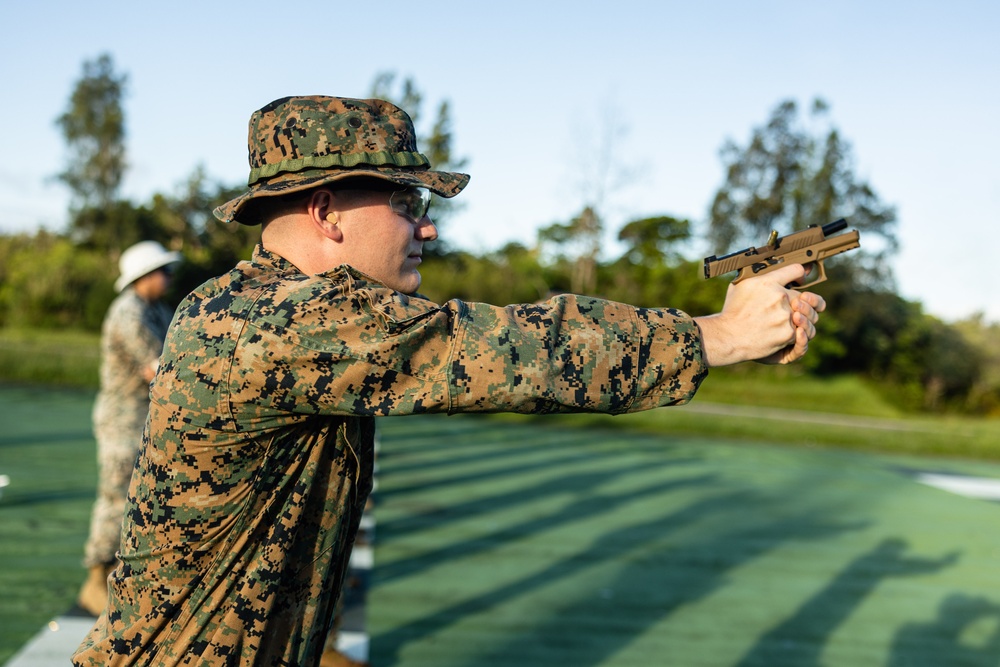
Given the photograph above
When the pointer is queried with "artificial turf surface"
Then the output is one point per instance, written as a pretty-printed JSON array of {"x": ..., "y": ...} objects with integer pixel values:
[{"x": 531, "y": 544}]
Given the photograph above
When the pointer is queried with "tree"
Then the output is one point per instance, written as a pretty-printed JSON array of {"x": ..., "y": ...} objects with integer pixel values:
[
  {"x": 650, "y": 240},
  {"x": 184, "y": 220},
  {"x": 94, "y": 128},
  {"x": 578, "y": 245},
  {"x": 73, "y": 290},
  {"x": 787, "y": 178},
  {"x": 437, "y": 144},
  {"x": 984, "y": 336}
]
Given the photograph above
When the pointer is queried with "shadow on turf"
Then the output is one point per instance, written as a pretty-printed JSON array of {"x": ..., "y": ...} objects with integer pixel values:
[
  {"x": 649, "y": 588},
  {"x": 59, "y": 437},
  {"x": 966, "y": 632},
  {"x": 819, "y": 617},
  {"x": 16, "y": 499},
  {"x": 659, "y": 569}
]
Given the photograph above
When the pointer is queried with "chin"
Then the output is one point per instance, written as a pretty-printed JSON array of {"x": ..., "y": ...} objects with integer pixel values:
[{"x": 407, "y": 284}]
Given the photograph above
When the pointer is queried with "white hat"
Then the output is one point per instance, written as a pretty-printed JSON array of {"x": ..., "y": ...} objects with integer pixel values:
[{"x": 142, "y": 258}]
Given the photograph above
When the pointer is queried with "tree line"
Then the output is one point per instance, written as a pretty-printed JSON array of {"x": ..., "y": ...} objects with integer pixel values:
[{"x": 793, "y": 171}]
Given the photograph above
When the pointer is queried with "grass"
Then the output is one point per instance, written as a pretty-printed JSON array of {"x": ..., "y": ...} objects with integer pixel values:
[
  {"x": 788, "y": 387},
  {"x": 42, "y": 357},
  {"x": 780, "y": 406},
  {"x": 956, "y": 437}
]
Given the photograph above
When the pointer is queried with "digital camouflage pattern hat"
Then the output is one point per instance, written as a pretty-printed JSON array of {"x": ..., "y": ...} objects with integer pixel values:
[{"x": 296, "y": 143}]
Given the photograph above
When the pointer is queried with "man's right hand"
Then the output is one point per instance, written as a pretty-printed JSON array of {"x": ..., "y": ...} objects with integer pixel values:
[{"x": 762, "y": 320}]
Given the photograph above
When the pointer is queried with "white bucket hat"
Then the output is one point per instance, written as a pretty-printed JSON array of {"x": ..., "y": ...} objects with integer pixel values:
[{"x": 142, "y": 258}]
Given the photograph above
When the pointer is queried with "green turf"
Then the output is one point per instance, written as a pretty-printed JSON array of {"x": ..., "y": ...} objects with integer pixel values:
[
  {"x": 47, "y": 450},
  {"x": 503, "y": 544},
  {"x": 532, "y": 543}
]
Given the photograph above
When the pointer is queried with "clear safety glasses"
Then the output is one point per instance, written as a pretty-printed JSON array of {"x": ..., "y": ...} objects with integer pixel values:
[{"x": 411, "y": 202}]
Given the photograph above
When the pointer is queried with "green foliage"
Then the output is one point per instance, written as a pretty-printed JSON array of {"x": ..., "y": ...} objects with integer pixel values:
[
  {"x": 52, "y": 281},
  {"x": 984, "y": 337},
  {"x": 794, "y": 388},
  {"x": 103, "y": 225},
  {"x": 510, "y": 275},
  {"x": 651, "y": 241},
  {"x": 928, "y": 364},
  {"x": 94, "y": 128},
  {"x": 677, "y": 285},
  {"x": 576, "y": 245},
  {"x": 114, "y": 226},
  {"x": 49, "y": 282},
  {"x": 210, "y": 247}
]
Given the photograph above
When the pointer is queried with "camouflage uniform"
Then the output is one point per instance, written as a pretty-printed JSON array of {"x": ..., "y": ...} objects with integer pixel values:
[
  {"x": 258, "y": 457},
  {"x": 131, "y": 340},
  {"x": 258, "y": 454}
]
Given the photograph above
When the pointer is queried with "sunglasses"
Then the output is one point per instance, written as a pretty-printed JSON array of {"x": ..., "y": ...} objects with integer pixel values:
[{"x": 411, "y": 202}]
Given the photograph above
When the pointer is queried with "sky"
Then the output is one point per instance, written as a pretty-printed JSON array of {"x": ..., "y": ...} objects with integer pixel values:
[{"x": 535, "y": 89}]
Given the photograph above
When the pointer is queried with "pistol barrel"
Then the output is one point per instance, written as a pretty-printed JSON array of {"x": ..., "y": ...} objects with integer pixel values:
[{"x": 834, "y": 227}]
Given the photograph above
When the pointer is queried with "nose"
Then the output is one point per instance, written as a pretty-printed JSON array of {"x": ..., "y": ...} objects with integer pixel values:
[{"x": 425, "y": 229}]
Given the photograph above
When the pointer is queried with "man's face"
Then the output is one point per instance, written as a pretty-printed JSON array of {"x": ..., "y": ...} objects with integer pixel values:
[
  {"x": 154, "y": 285},
  {"x": 385, "y": 241}
]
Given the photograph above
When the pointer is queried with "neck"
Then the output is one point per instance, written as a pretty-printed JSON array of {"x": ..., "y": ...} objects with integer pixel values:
[{"x": 298, "y": 242}]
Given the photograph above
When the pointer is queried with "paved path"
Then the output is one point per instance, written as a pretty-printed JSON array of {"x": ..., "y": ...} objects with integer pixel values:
[{"x": 802, "y": 416}]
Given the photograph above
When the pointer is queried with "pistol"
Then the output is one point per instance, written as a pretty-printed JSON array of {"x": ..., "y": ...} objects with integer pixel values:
[{"x": 811, "y": 246}]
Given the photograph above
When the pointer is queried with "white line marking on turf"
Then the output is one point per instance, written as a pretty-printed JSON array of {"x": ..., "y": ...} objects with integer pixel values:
[
  {"x": 353, "y": 644},
  {"x": 362, "y": 558},
  {"x": 972, "y": 487},
  {"x": 53, "y": 644}
]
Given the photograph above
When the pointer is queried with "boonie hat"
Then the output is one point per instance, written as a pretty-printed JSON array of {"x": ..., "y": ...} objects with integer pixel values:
[
  {"x": 142, "y": 258},
  {"x": 296, "y": 143}
]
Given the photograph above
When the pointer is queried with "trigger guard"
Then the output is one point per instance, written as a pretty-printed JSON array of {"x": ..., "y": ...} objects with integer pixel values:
[{"x": 820, "y": 271}]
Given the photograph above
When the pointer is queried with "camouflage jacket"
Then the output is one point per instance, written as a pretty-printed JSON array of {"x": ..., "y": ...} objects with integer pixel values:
[
  {"x": 258, "y": 454},
  {"x": 131, "y": 341}
]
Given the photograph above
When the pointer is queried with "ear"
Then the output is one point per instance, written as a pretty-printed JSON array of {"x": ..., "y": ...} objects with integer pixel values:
[{"x": 324, "y": 214}]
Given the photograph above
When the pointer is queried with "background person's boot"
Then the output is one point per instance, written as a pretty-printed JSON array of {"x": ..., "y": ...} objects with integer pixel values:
[{"x": 93, "y": 597}]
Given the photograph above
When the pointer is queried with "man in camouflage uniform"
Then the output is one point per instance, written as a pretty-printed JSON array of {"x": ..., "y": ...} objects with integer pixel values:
[
  {"x": 257, "y": 458},
  {"x": 131, "y": 340}
]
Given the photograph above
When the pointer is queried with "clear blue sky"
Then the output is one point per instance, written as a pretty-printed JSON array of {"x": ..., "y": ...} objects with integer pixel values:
[{"x": 913, "y": 86}]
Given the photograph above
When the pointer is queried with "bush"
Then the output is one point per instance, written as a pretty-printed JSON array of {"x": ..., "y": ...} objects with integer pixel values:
[{"x": 48, "y": 282}]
